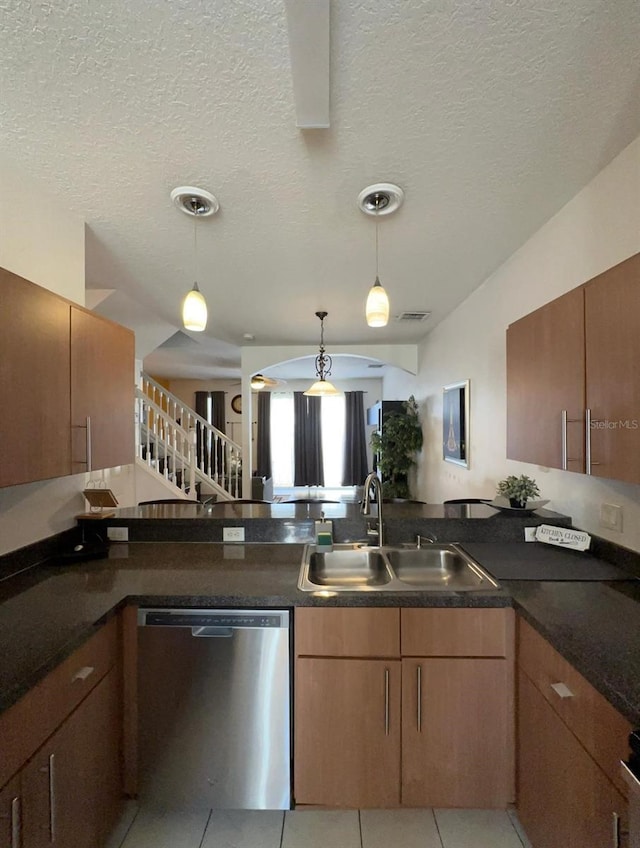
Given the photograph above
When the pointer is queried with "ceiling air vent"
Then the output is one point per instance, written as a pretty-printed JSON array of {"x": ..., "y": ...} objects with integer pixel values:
[{"x": 413, "y": 316}]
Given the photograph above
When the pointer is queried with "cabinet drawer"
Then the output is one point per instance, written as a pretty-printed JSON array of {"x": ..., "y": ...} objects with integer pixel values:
[
  {"x": 347, "y": 632},
  {"x": 599, "y": 726},
  {"x": 29, "y": 722},
  {"x": 457, "y": 632}
]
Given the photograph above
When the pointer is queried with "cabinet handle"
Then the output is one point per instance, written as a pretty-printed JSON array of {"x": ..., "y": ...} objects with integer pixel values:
[
  {"x": 15, "y": 823},
  {"x": 419, "y": 696},
  {"x": 386, "y": 702},
  {"x": 83, "y": 673},
  {"x": 587, "y": 440},
  {"x": 89, "y": 447},
  {"x": 618, "y": 831},
  {"x": 52, "y": 798},
  {"x": 564, "y": 456},
  {"x": 562, "y": 690}
]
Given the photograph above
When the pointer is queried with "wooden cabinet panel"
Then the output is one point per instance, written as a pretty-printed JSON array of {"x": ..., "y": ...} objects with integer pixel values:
[
  {"x": 26, "y": 725},
  {"x": 11, "y": 814},
  {"x": 347, "y": 632},
  {"x": 34, "y": 382},
  {"x": 612, "y": 331},
  {"x": 457, "y": 739},
  {"x": 598, "y": 725},
  {"x": 102, "y": 389},
  {"x": 71, "y": 788},
  {"x": 563, "y": 797},
  {"x": 347, "y": 732},
  {"x": 546, "y": 374},
  {"x": 456, "y": 632}
]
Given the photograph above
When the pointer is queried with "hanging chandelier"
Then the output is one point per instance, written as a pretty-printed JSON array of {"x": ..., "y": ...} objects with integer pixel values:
[
  {"x": 377, "y": 200},
  {"x": 199, "y": 204},
  {"x": 322, "y": 387}
]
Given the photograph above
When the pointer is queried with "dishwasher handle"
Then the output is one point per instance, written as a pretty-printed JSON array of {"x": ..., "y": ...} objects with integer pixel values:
[{"x": 213, "y": 632}]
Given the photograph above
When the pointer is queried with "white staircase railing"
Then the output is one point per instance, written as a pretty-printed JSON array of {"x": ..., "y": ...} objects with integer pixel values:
[{"x": 182, "y": 445}]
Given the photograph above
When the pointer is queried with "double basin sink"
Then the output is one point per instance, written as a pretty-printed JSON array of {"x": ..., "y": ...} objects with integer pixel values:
[{"x": 358, "y": 568}]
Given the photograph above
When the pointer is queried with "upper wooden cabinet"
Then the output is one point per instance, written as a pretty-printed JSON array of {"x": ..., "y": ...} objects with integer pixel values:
[
  {"x": 59, "y": 366},
  {"x": 102, "y": 392},
  {"x": 34, "y": 382},
  {"x": 574, "y": 361},
  {"x": 612, "y": 332},
  {"x": 545, "y": 376}
]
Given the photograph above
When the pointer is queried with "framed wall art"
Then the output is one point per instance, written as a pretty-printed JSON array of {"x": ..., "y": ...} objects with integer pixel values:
[{"x": 455, "y": 423}]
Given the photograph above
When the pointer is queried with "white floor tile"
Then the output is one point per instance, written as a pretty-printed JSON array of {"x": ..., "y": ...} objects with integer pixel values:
[
  {"x": 244, "y": 829},
  {"x": 167, "y": 829},
  {"x": 515, "y": 821},
  {"x": 402, "y": 828},
  {"x": 321, "y": 829},
  {"x": 476, "y": 829}
]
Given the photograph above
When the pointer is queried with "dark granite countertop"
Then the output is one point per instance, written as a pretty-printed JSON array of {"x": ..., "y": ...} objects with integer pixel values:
[{"x": 47, "y": 611}]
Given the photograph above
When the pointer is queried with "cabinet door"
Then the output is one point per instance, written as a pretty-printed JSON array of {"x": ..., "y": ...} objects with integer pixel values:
[
  {"x": 612, "y": 310},
  {"x": 348, "y": 632},
  {"x": 34, "y": 383},
  {"x": 347, "y": 733},
  {"x": 563, "y": 797},
  {"x": 71, "y": 788},
  {"x": 102, "y": 390},
  {"x": 457, "y": 742},
  {"x": 10, "y": 815},
  {"x": 546, "y": 375}
]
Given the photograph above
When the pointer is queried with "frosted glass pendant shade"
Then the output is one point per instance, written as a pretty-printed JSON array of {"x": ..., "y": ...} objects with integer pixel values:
[
  {"x": 377, "y": 309},
  {"x": 194, "y": 310},
  {"x": 322, "y": 388}
]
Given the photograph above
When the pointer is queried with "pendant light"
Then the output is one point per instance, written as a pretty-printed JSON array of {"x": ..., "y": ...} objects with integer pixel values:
[
  {"x": 322, "y": 387},
  {"x": 377, "y": 200},
  {"x": 199, "y": 204}
]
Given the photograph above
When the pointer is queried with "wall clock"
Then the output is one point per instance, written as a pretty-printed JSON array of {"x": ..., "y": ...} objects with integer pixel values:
[{"x": 236, "y": 404}]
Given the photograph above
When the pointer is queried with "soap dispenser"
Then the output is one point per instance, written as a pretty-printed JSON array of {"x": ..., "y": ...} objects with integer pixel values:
[{"x": 324, "y": 534}]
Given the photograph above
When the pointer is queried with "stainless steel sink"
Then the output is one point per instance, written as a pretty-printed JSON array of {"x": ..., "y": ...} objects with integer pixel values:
[
  {"x": 348, "y": 568},
  {"x": 358, "y": 568}
]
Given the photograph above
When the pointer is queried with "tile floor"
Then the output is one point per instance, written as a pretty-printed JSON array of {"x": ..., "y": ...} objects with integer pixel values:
[{"x": 146, "y": 828}]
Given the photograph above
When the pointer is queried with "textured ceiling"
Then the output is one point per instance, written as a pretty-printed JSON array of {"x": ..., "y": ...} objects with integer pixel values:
[{"x": 490, "y": 115}]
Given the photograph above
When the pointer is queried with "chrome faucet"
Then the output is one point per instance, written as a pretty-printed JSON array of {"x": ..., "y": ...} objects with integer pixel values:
[{"x": 373, "y": 480}]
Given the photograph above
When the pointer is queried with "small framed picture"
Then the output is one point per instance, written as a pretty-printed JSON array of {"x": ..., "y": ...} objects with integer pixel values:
[
  {"x": 455, "y": 423},
  {"x": 236, "y": 404}
]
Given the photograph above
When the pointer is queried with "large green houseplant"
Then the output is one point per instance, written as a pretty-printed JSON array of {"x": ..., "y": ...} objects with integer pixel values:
[{"x": 396, "y": 447}]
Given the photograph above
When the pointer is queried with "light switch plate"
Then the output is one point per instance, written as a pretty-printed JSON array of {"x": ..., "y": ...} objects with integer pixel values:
[
  {"x": 233, "y": 534},
  {"x": 611, "y": 516}
]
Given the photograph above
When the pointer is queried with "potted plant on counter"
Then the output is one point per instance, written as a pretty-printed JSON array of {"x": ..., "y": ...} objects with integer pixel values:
[{"x": 518, "y": 490}]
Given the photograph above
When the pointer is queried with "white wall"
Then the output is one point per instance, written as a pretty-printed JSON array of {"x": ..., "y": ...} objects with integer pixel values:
[
  {"x": 44, "y": 243},
  {"x": 599, "y": 228},
  {"x": 39, "y": 239}
]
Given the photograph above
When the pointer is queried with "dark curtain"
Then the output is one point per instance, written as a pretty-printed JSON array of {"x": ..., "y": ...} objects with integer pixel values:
[
  {"x": 217, "y": 411},
  {"x": 264, "y": 435},
  {"x": 201, "y": 408},
  {"x": 307, "y": 441},
  {"x": 355, "y": 441}
]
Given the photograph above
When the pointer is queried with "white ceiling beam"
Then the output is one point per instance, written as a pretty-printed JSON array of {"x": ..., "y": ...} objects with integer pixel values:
[{"x": 309, "y": 45}]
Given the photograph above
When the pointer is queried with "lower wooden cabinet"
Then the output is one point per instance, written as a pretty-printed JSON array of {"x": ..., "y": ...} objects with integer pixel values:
[
  {"x": 564, "y": 799},
  {"x": 456, "y": 744},
  {"x": 347, "y": 741},
  {"x": 397, "y": 730},
  {"x": 71, "y": 789}
]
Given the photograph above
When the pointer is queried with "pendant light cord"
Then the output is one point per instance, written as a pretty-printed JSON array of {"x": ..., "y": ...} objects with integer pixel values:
[{"x": 195, "y": 246}]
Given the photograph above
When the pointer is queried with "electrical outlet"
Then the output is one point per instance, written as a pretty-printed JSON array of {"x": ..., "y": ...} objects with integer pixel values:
[
  {"x": 118, "y": 534},
  {"x": 233, "y": 534},
  {"x": 611, "y": 516}
]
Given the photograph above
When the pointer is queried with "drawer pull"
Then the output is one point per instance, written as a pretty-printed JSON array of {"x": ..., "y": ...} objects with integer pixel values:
[
  {"x": 562, "y": 690},
  {"x": 386, "y": 702},
  {"x": 83, "y": 673},
  {"x": 419, "y": 699},
  {"x": 15, "y": 822}
]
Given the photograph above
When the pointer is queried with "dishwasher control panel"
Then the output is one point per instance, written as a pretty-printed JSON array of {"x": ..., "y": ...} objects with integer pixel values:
[{"x": 246, "y": 619}]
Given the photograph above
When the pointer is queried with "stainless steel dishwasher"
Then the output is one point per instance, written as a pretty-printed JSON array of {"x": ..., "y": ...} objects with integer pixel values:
[{"x": 214, "y": 708}]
